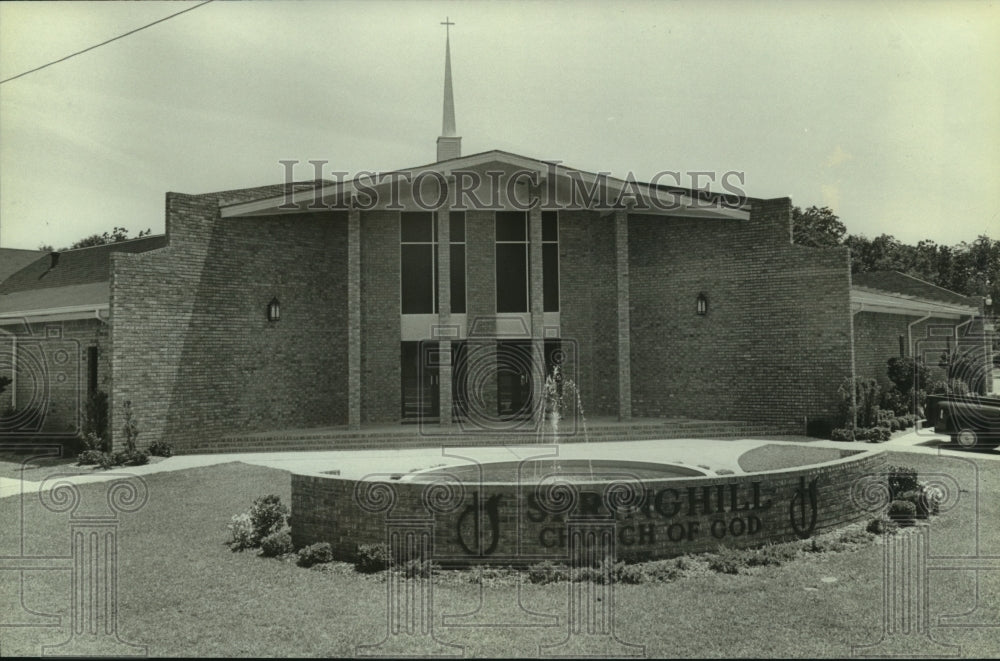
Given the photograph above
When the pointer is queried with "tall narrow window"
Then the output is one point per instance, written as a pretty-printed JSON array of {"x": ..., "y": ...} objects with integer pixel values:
[
  {"x": 512, "y": 261},
  {"x": 418, "y": 262},
  {"x": 456, "y": 236},
  {"x": 550, "y": 260}
]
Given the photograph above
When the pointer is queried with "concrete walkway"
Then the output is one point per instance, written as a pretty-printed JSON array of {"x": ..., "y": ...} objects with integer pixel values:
[{"x": 711, "y": 456}]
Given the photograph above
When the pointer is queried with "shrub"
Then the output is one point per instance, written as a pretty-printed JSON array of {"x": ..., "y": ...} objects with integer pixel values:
[
  {"x": 275, "y": 544},
  {"x": 547, "y": 572},
  {"x": 855, "y": 536},
  {"x": 894, "y": 400},
  {"x": 95, "y": 418},
  {"x": 925, "y": 499},
  {"x": 315, "y": 554},
  {"x": 267, "y": 515},
  {"x": 663, "y": 571},
  {"x": 907, "y": 374},
  {"x": 862, "y": 410},
  {"x": 777, "y": 554},
  {"x": 106, "y": 460},
  {"x": 89, "y": 457},
  {"x": 727, "y": 561},
  {"x": 901, "y": 480},
  {"x": 903, "y": 512},
  {"x": 596, "y": 575},
  {"x": 97, "y": 443},
  {"x": 160, "y": 449},
  {"x": 240, "y": 532},
  {"x": 131, "y": 429},
  {"x": 372, "y": 558},
  {"x": 138, "y": 458},
  {"x": 842, "y": 434},
  {"x": 882, "y": 526},
  {"x": 630, "y": 574},
  {"x": 419, "y": 568},
  {"x": 884, "y": 418}
]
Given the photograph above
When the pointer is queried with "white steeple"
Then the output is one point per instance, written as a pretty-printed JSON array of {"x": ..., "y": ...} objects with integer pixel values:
[{"x": 449, "y": 145}]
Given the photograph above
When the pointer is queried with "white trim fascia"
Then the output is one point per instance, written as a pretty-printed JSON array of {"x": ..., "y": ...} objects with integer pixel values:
[
  {"x": 871, "y": 301},
  {"x": 66, "y": 313}
]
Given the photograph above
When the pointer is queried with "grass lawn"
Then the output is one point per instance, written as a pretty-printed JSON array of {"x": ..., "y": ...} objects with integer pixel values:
[
  {"x": 775, "y": 456},
  {"x": 182, "y": 592}
]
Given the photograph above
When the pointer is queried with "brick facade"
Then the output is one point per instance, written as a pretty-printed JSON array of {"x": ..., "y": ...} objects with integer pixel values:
[
  {"x": 775, "y": 342},
  {"x": 199, "y": 360},
  {"x": 877, "y": 339},
  {"x": 51, "y": 360},
  {"x": 381, "y": 395},
  {"x": 194, "y": 351}
]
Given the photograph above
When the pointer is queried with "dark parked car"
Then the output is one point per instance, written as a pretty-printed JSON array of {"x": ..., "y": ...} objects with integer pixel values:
[{"x": 970, "y": 420}]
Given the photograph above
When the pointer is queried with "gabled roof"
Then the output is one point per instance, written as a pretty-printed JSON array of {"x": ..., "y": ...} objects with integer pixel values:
[
  {"x": 13, "y": 260},
  {"x": 76, "y": 286},
  {"x": 893, "y": 292},
  {"x": 680, "y": 200},
  {"x": 895, "y": 282}
]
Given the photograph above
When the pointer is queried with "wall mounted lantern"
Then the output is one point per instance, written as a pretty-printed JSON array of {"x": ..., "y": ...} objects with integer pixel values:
[
  {"x": 273, "y": 310},
  {"x": 702, "y": 308}
]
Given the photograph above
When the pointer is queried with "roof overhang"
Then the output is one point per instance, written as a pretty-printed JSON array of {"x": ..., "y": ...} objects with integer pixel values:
[
  {"x": 490, "y": 180},
  {"x": 68, "y": 313},
  {"x": 872, "y": 300}
]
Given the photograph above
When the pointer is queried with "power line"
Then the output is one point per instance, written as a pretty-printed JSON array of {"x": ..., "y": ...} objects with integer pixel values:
[{"x": 104, "y": 43}]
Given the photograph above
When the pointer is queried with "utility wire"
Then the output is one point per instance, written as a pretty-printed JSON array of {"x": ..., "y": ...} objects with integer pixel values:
[{"x": 104, "y": 43}]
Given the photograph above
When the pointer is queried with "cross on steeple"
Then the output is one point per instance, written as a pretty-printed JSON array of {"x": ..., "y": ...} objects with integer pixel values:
[{"x": 447, "y": 27}]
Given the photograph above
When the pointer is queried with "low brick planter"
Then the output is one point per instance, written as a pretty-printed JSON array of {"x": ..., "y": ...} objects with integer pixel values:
[{"x": 636, "y": 519}]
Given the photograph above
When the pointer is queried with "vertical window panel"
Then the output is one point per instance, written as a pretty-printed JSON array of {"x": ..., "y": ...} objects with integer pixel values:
[
  {"x": 416, "y": 227},
  {"x": 511, "y": 277},
  {"x": 458, "y": 278},
  {"x": 418, "y": 277},
  {"x": 456, "y": 227},
  {"x": 511, "y": 226},
  {"x": 550, "y": 277}
]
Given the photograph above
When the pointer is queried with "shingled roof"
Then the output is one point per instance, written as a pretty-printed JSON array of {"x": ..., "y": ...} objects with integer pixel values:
[
  {"x": 74, "y": 278},
  {"x": 894, "y": 282},
  {"x": 75, "y": 267},
  {"x": 13, "y": 260}
]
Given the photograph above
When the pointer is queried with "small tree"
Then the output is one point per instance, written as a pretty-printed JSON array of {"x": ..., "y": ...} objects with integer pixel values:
[{"x": 131, "y": 429}]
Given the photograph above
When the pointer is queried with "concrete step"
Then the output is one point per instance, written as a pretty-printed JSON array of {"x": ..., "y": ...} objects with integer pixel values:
[{"x": 410, "y": 437}]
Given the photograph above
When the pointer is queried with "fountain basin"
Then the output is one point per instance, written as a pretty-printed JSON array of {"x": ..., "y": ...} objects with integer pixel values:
[{"x": 533, "y": 471}]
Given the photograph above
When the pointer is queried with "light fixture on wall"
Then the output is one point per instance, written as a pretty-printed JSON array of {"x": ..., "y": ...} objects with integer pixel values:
[
  {"x": 273, "y": 310},
  {"x": 702, "y": 308}
]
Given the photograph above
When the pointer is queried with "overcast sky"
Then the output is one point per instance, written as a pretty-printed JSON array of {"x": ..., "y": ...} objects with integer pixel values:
[{"x": 887, "y": 112}]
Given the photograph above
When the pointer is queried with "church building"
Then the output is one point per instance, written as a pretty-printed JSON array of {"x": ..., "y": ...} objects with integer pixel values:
[{"x": 453, "y": 295}]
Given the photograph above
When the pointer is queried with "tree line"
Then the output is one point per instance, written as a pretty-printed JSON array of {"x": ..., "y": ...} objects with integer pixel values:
[{"x": 972, "y": 269}]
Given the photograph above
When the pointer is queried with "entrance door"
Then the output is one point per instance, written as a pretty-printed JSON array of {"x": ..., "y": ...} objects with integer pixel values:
[
  {"x": 421, "y": 381},
  {"x": 514, "y": 385}
]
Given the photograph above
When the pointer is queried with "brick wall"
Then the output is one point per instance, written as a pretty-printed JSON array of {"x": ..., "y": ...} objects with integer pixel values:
[
  {"x": 876, "y": 340},
  {"x": 674, "y": 517},
  {"x": 775, "y": 343},
  {"x": 381, "y": 396},
  {"x": 52, "y": 372},
  {"x": 587, "y": 305},
  {"x": 193, "y": 348},
  {"x": 480, "y": 302}
]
